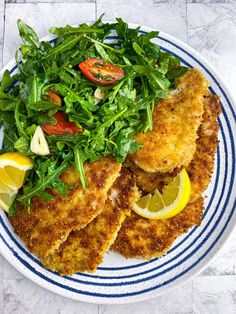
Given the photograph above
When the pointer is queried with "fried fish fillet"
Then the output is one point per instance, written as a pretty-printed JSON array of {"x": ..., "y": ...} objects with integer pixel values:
[
  {"x": 172, "y": 142},
  {"x": 201, "y": 167},
  {"x": 50, "y": 222},
  {"x": 145, "y": 238},
  {"x": 84, "y": 249}
]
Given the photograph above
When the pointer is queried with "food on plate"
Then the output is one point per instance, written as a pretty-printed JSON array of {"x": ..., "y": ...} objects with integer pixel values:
[
  {"x": 13, "y": 170},
  {"x": 82, "y": 120},
  {"x": 101, "y": 72},
  {"x": 112, "y": 144},
  {"x": 201, "y": 167},
  {"x": 84, "y": 249},
  {"x": 49, "y": 223},
  {"x": 173, "y": 198},
  {"x": 61, "y": 126},
  {"x": 172, "y": 141},
  {"x": 145, "y": 238},
  {"x": 140, "y": 237}
]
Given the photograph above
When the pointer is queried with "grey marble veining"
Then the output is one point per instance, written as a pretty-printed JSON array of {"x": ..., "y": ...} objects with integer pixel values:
[
  {"x": 148, "y": 13},
  {"x": 210, "y": 1},
  {"x": 2, "y": 6},
  {"x": 58, "y": 1},
  {"x": 214, "y": 295},
  {"x": 10, "y": 272},
  {"x": 163, "y": 304},
  {"x": 50, "y": 14},
  {"x": 225, "y": 261},
  {"x": 22, "y": 296},
  {"x": 47, "y": 1},
  {"x": 210, "y": 27},
  {"x": 212, "y": 32}
]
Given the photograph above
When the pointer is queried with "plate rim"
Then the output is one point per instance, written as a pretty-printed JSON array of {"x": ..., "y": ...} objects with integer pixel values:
[{"x": 206, "y": 260}]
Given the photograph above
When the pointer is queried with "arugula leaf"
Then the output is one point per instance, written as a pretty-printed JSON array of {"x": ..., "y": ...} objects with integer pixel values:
[
  {"x": 20, "y": 120},
  {"x": 158, "y": 80},
  {"x": 67, "y": 44},
  {"x": 69, "y": 30},
  {"x": 48, "y": 173},
  {"x": 102, "y": 53},
  {"x": 79, "y": 161},
  {"x": 10, "y": 131},
  {"x": 107, "y": 127},
  {"x": 31, "y": 91},
  {"x": 7, "y": 80},
  {"x": 27, "y": 34},
  {"x": 22, "y": 145},
  {"x": 7, "y": 102},
  {"x": 42, "y": 105}
]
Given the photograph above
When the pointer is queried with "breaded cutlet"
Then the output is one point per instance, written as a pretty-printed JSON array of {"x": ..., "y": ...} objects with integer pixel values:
[
  {"x": 84, "y": 249},
  {"x": 145, "y": 238},
  {"x": 147, "y": 181},
  {"x": 50, "y": 222},
  {"x": 201, "y": 167},
  {"x": 172, "y": 142}
]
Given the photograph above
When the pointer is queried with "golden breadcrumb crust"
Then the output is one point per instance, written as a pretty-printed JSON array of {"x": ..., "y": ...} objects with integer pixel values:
[
  {"x": 84, "y": 249},
  {"x": 144, "y": 238},
  {"x": 172, "y": 142},
  {"x": 50, "y": 222},
  {"x": 201, "y": 167}
]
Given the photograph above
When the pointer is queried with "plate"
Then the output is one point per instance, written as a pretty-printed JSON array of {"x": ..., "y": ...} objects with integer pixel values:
[{"x": 120, "y": 280}]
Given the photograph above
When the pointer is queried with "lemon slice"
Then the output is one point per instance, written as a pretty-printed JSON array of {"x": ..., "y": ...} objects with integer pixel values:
[
  {"x": 13, "y": 169},
  {"x": 173, "y": 199}
]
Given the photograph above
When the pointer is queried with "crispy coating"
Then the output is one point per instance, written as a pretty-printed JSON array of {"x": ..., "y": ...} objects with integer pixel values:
[
  {"x": 149, "y": 182},
  {"x": 73, "y": 233},
  {"x": 172, "y": 142},
  {"x": 201, "y": 167},
  {"x": 140, "y": 237},
  {"x": 50, "y": 222},
  {"x": 144, "y": 238},
  {"x": 84, "y": 249}
]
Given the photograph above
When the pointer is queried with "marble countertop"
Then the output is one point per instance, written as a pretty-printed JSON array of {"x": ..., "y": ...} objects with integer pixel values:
[{"x": 209, "y": 26}]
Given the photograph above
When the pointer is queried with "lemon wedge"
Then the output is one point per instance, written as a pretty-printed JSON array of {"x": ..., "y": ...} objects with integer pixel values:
[
  {"x": 169, "y": 203},
  {"x": 13, "y": 169}
]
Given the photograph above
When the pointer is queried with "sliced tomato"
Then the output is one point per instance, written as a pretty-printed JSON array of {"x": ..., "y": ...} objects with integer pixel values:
[
  {"x": 101, "y": 72},
  {"x": 62, "y": 126}
]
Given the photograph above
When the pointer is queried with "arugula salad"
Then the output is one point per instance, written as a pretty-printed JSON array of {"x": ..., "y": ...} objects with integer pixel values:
[{"x": 85, "y": 95}]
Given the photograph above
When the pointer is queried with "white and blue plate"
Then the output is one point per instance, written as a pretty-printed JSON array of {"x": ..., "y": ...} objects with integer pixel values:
[{"x": 120, "y": 280}]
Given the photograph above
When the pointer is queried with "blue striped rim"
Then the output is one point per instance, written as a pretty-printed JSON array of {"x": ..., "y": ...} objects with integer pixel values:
[
  {"x": 153, "y": 260},
  {"x": 141, "y": 264},
  {"x": 137, "y": 292},
  {"x": 158, "y": 267},
  {"x": 218, "y": 219},
  {"x": 126, "y": 294}
]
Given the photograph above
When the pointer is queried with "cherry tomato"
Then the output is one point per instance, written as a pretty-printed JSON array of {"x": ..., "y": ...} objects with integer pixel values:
[
  {"x": 62, "y": 126},
  {"x": 101, "y": 72}
]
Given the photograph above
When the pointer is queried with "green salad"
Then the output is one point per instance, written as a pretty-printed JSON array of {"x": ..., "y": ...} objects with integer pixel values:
[{"x": 87, "y": 94}]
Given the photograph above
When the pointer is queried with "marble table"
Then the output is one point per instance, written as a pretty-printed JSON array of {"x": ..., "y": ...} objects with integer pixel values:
[{"x": 209, "y": 26}]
